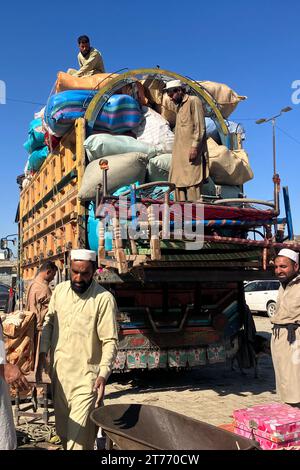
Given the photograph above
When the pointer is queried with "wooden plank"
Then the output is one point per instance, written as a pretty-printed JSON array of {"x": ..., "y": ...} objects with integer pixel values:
[{"x": 80, "y": 166}]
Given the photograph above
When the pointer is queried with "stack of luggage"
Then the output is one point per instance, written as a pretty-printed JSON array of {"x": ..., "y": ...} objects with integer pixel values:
[{"x": 134, "y": 131}]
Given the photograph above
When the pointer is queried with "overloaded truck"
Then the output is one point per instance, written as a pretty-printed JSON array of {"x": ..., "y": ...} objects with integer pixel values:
[{"x": 177, "y": 270}]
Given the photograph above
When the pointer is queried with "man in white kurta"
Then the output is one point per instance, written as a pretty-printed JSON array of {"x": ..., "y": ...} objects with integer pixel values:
[
  {"x": 285, "y": 342},
  {"x": 80, "y": 331}
]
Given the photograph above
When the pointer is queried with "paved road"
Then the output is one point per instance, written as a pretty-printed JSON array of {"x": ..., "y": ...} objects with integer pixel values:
[{"x": 208, "y": 393}]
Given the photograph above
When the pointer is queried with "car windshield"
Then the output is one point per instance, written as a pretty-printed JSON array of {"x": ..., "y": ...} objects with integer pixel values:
[
  {"x": 251, "y": 287},
  {"x": 3, "y": 288},
  {"x": 262, "y": 285}
]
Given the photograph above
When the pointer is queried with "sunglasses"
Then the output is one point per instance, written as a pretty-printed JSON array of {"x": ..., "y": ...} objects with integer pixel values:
[{"x": 172, "y": 91}]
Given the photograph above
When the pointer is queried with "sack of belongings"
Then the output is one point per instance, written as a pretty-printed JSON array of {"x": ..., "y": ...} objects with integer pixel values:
[
  {"x": 120, "y": 113},
  {"x": 155, "y": 130},
  {"x": 234, "y": 128},
  {"x": 159, "y": 100},
  {"x": 158, "y": 168},
  {"x": 228, "y": 166},
  {"x": 36, "y": 136},
  {"x": 19, "y": 338},
  {"x": 101, "y": 145},
  {"x": 124, "y": 169},
  {"x": 37, "y": 158},
  {"x": 65, "y": 81},
  {"x": 226, "y": 98}
]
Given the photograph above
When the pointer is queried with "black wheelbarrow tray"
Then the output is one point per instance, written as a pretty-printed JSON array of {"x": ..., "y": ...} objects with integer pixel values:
[{"x": 146, "y": 427}]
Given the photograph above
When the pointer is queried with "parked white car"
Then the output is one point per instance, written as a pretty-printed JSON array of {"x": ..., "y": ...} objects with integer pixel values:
[{"x": 261, "y": 296}]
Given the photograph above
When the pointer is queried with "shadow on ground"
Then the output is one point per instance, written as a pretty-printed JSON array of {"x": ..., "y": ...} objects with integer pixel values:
[{"x": 217, "y": 377}]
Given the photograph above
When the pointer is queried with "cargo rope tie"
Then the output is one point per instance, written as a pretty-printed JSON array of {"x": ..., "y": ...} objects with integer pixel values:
[{"x": 39, "y": 432}]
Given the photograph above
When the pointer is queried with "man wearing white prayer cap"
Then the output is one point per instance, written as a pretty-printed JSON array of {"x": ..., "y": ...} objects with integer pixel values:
[
  {"x": 83, "y": 255},
  {"x": 80, "y": 331},
  {"x": 189, "y": 165},
  {"x": 285, "y": 332}
]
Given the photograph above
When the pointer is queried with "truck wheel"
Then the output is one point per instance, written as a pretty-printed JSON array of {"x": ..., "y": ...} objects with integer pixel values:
[{"x": 271, "y": 308}]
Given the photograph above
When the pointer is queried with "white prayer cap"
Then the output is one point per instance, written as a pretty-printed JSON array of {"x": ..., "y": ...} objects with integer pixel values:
[
  {"x": 293, "y": 255},
  {"x": 173, "y": 84},
  {"x": 83, "y": 255}
]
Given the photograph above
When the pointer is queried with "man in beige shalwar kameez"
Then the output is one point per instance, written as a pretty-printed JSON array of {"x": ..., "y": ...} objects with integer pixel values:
[
  {"x": 285, "y": 342},
  {"x": 189, "y": 157},
  {"x": 39, "y": 292},
  {"x": 80, "y": 330},
  {"x": 89, "y": 59}
]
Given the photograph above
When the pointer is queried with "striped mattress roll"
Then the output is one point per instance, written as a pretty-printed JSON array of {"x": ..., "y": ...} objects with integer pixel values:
[{"x": 121, "y": 113}]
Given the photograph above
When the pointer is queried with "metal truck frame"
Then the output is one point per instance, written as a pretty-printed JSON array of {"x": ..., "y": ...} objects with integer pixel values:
[{"x": 178, "y": 307}]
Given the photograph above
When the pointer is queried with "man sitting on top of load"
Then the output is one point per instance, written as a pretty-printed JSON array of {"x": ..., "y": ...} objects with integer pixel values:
[{"x": 89, "y": 59}]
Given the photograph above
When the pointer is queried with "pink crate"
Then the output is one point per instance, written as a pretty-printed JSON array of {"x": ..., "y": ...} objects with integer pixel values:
[
  {"x": 264, "y": 440},
  {"x": 279, "y": 423}
]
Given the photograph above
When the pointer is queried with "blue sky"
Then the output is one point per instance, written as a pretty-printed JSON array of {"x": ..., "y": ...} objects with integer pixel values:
[{"x": 251, "y": 46}]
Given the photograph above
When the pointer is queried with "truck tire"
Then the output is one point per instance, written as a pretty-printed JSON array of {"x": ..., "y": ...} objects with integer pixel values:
[{"x": 271, "y": 308}]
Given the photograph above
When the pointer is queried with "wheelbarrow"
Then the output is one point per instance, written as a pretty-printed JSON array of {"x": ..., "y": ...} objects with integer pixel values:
[{"x": 146, "y": 427}]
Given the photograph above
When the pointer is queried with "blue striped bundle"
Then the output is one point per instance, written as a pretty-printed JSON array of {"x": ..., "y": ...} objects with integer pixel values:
[{"x": 121, "y": 113}]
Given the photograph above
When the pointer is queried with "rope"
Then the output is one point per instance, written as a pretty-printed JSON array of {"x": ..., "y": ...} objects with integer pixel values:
[{"x": 39, "y": 432}]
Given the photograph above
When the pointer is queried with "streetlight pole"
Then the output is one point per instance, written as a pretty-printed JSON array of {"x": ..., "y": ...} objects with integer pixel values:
[
  {"x": 272, "y": 119},
  {"x": 274, "y": 147},
  {"x": 276, "y": 179},
  {"x": 4, "y": 244}
]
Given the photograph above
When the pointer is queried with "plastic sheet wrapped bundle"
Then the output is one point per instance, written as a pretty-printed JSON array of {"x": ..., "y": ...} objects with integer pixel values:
[
  {"x": 213, "y": 132},
  {"x": 37, "y": 158},
  {"x": 36, "y": 136}
]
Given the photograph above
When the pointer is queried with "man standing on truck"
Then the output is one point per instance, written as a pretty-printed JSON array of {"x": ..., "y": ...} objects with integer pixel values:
[
  {"x": 89, "y": 59},
  {"x": 190, "y": 157},
  {"x": 285, "y": 340},
  {"x": 81, "y": 332}
]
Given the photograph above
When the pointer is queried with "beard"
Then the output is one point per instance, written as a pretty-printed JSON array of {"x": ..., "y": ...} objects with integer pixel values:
[
  {"x": 81, "y": 287},
  {"x": 178, "y": 100},
  {"x": 85, "y": 53},
  {"x": 287, "y": 278}
]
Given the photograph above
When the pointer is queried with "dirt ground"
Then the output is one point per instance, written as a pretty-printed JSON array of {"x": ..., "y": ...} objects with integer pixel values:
[{"x": 207, "y": 393}]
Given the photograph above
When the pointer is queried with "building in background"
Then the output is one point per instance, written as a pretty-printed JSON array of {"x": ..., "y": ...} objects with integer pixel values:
[{"x": 8, "y": 269}]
